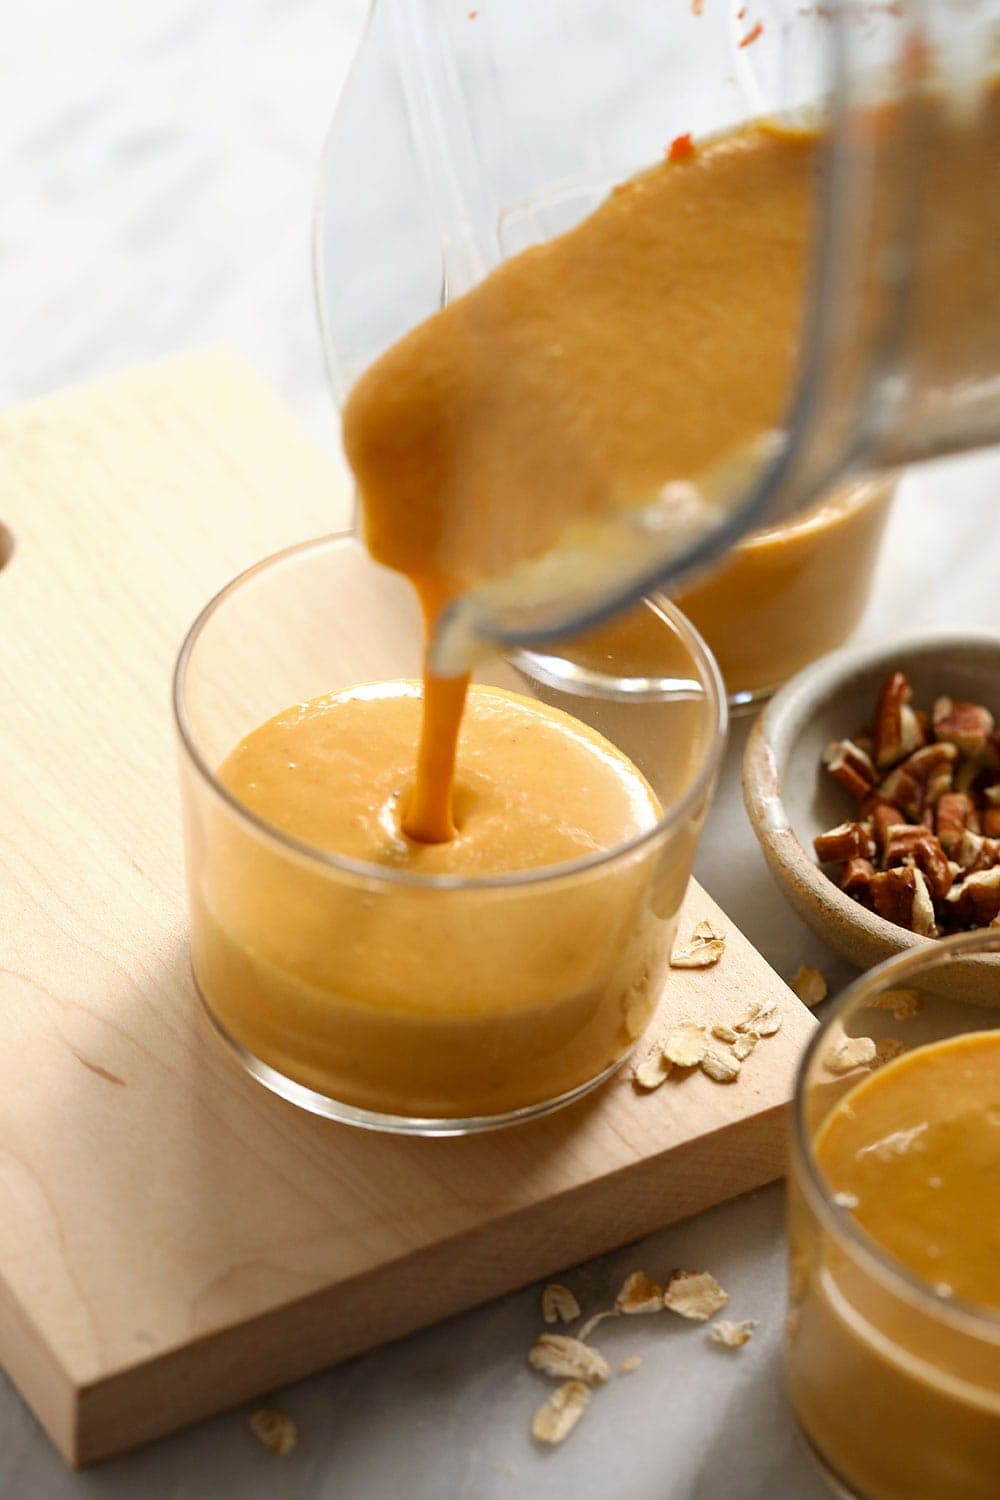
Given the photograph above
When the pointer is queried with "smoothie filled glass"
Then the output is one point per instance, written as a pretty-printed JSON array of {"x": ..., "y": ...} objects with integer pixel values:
[
  {"x": 787, "y": 595},
  {"x": 436, "y": 1004},
  {"x": 893, "y": 1340}
]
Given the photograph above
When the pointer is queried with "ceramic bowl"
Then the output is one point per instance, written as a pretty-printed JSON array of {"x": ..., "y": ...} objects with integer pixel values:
[{"x": 790, "y": 797}]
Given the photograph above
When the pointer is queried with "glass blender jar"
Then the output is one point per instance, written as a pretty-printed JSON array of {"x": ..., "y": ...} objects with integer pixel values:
[{"x": 466, "y": 136}]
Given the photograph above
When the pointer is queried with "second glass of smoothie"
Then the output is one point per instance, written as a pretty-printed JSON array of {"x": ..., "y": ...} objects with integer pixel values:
[
  {"x": 788, "y": 595},
  {"x": 893, "y": 1342}
]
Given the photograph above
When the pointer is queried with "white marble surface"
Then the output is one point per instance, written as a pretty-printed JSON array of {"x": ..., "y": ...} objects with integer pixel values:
[{"x": 158, "y": 163}]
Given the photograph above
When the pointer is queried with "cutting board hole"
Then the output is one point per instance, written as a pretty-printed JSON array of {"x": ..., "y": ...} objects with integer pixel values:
[{"x": 6, "y": 545}]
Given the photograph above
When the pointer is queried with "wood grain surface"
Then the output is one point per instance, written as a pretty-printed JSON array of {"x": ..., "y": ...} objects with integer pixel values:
[{"x": 173, "y": 1239}]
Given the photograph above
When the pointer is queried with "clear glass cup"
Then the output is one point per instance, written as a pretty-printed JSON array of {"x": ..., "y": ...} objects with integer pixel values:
[
  {"x": 895, "y": 1383},
  {"x": 505, "y": 997},
  {"x": 787, "y": 595},
  {"x": 466, "y": 136}
]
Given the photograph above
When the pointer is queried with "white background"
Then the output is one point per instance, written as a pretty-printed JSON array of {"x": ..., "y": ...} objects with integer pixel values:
[{"x": 158, "y": 161}]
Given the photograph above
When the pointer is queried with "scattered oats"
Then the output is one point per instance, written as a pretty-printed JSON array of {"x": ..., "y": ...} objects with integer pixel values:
[
  {"x": 558, "y": 1354},
  {"x": 685, "y": 1044},
  {"x": 744, "y": 1045},
  {"x": 555, "y": 1418},
  {"x": 886, "y": 1048},
  {"x": 732, "y": 1335},
  {"x": 275, "y": 1429},
  {"x": 639, "y": 1294},
  {"x": 584, "y": 1333},
  {"x": 846, "y": 1200},
  {"x": 652, "y": 1071},
  {"x": 724, "y": 1033},
  {"x": 705, "y": 947},
  {"x": 902, "y": 1003},
  {"x": 810, "y": 986},
  {"x": 558, "y": 1304},
  {"x": 850, "y": 1053},
  {"x": 628, "y": 1365},
  {"x": 724, "y": 1067},
  {"x": 694, "y": 1294},
  {"x": 763, "y": 1018}
]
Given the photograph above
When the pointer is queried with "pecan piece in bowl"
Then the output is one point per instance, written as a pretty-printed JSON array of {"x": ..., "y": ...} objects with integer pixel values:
[
  {"x": 924, "y": 836},
  {"x": 803, "y": 779}
]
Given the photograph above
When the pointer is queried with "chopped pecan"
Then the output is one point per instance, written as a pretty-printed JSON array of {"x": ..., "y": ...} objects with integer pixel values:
[
  {"x": 883, "y": 817},
  {"x": 846, "y": 841},
  {"x": 904, "y": 791},
  {"x": 930, "y": 859},
  {"x": 856, "y": 880},
  {"x": 966, "y": 775},
  {"x": 968, "y": 852},
  {"x": 934, "y": 767},
  {"x": 901, "y": 843},
  {"x": 897, "y": 730},
  {"x": 933, "y": 862},
  {"x": 912, "y": 844},
  {"x": 931, "y": 824},
  {"x": 954, "y": 813},
  {"x": 920, "y": 779},
  {"x": 980, "y": 783},
  {"x": 851, "y": 766},
  {"x": 968, "y": 725},
  {"x": 901, "y": 896},
  {"x": 975, "y": 852},
  {"x": 976, "y": 902}
]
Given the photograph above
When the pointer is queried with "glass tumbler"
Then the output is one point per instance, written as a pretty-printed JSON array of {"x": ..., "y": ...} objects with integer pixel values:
[
  {"x": 424, "y": 1003},
  {"x": 787, "y": 595},
  {"x": 895, "y": 1381}
]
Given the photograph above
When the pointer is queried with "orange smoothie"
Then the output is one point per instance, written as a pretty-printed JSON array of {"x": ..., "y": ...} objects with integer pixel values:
[
  {"x": 900, "y": 1391},
  {"x": 426, "y": 1001},
  {"x": 786, "y": 596}
]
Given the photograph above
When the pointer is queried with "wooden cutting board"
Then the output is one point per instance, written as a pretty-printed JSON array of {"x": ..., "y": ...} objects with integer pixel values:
[{"x": 173, "y": 1239}]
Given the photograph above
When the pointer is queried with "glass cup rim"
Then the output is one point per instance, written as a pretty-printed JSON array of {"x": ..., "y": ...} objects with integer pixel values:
[
  {"x": 838, "y": 1222},
  {"x": 710, "y": 676},
  {"x": 853, "y": 491}
]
